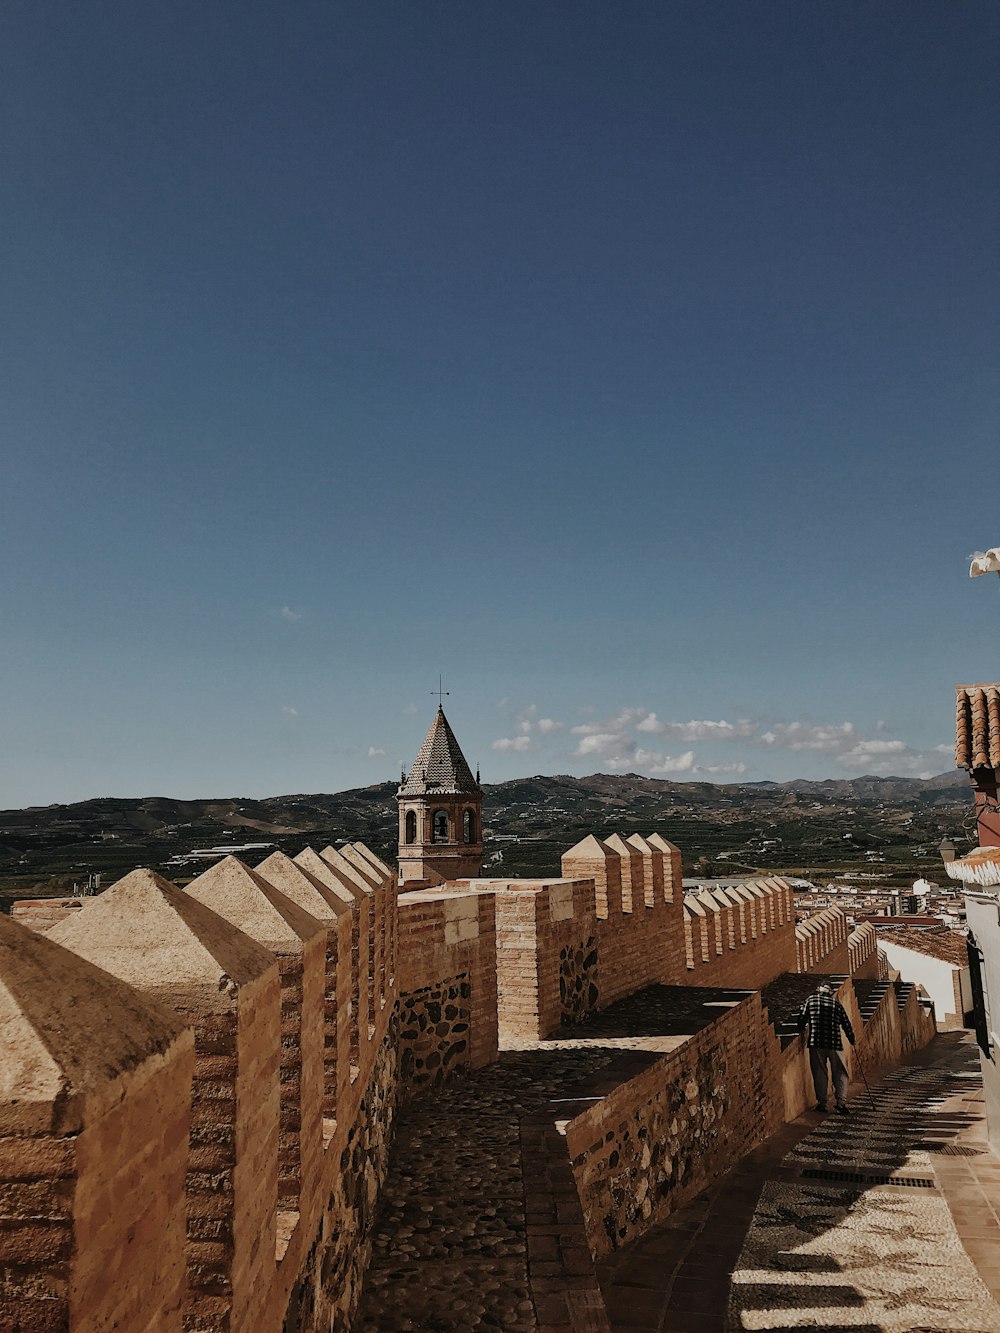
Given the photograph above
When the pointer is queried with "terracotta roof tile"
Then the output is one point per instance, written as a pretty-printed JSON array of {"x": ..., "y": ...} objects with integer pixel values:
[
  {"x": 943, "y": 944},
  {"x": 977, "y": 726}
]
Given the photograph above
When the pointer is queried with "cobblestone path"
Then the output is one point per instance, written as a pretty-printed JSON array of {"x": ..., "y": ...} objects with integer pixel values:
[
  {"x": 451, "y": 1251},
  {"x": 481, "y": 1190},
  {"x": 885, "y": 1221}
]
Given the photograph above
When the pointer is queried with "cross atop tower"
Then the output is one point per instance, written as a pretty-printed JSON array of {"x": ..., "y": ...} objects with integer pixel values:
[{"x": 441, "y": 693}]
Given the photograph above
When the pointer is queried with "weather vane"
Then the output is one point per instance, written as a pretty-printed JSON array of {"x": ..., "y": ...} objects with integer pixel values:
[{"x": 440, "y": 692}]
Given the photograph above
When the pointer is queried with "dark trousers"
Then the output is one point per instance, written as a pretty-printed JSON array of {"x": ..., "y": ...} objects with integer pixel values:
[{"x": 818, "y": 1057}]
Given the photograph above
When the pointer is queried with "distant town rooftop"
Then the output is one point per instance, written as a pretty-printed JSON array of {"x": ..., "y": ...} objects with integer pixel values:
[{"x": 943, "y": 944}]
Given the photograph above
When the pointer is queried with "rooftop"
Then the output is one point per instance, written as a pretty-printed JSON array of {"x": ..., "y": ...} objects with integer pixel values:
[
  {"x": 981, "y": 867},
  {"x": 977, "y": 726},
  {"x": 943, "y": 944},
  {"x": 440, "y": 765}
]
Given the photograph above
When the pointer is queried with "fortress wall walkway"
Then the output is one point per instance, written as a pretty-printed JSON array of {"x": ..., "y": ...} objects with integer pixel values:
[{"x": 883, "y": 1222}]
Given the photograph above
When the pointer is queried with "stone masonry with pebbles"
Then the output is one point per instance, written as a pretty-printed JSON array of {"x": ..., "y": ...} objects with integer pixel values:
[
  {"x": 327, "y": 1292},
  {"x": 579, "y": 992},
  {"x": 434, "y": 1032}
]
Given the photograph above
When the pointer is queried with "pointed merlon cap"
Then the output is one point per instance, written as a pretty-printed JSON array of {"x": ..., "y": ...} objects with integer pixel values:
[
  {"x": 590, "y": 846},
  {"x": 349, "y": 874},
  {"x": 386, "y": 872},
  {"x": 146, "y": 931},
  {"x": 71, "y": 1033},
  {"x": 248, "y": 902},
  {"x": 303, "y": 888},
  {"x": 440, "y": 767},
  {"x": 336, "y": 882},
  {"x": 364, "y": 867}
]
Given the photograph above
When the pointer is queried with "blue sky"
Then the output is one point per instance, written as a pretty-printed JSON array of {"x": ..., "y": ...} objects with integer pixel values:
[{"x": 636, "y": 366}]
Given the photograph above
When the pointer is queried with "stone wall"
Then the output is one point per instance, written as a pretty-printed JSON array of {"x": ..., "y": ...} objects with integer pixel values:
[
  {"x": 637, "y": 908},
  {"x": 739, "y": 934},
  {"x": 447, "y": 982},
  {"x": 279, "y": 1086},
  {"x": 570, "y": 947},
  {"x": 245, "y": 1046},
  {"x": 41, "y": 913},
  {"x": 327, "y": 1285},
  {"x": 655, "y": 1141},
  {"x": 548, "y": 957},
  {"x": 95, "y": 1104},
  {"x": 435, "y": 1027}
]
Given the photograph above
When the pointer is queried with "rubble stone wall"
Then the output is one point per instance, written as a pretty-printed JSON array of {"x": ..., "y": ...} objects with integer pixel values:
[
  {"x": 655, "y": 1141},
  {"x": 327, "y": 1286},
  {"x": 447, "y": 962},
  {"x": 435, "y": 1025}
]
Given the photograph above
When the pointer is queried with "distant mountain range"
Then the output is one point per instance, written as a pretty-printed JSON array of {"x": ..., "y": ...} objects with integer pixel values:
[{"x": 802, "y": 825}]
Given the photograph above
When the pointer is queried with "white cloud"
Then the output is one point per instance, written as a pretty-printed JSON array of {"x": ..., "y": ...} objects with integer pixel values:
[
  {"x": 666, "y": 764},
  {"x": 287, "y": 613},
  {"x": 803, "y": 736},
  {"x": 596, "y": 742},
  {"x": 409, "y": 710},
  {"x": 502, "y": 703},
  {"x": 519, "y": 743},
  {"x": 650, "y": 723},
  {"x": 524, "y": 726},
  {"x": 616, "y": 743},
  {"x": 289, "y": 711},
  {"x": 866, "y": 749},
  {"x": 546, "y": 725},
  {"x": 373, "y": 751},
  {"x": 698, "y": 729}
]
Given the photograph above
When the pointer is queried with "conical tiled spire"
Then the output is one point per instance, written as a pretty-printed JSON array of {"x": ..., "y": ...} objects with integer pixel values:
[{"x": 440, "y": 765}]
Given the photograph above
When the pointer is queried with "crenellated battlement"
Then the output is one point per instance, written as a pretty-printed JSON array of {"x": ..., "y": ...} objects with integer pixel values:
[
  {"x": 821, "y": 942},
  {"x": 232, "y": 1055}
]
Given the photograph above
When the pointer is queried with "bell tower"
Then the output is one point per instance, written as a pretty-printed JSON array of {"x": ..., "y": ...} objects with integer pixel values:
[{"x": 440, "y": 813}]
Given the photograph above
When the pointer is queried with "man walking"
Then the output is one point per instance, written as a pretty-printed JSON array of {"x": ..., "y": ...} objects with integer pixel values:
[{"x": 825, "y": 1016}]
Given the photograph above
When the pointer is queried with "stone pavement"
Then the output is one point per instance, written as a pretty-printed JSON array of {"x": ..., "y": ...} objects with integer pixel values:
[
  {"x": 480, "y": 1223},
  {"x": 882, "y": 1222}
]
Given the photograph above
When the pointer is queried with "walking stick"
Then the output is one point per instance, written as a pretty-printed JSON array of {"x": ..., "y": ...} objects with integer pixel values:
[{"x": 865, "y": 1079}]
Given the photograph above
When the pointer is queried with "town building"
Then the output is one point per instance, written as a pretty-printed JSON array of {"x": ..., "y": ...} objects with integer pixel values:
[
  {"x": 977, "y": 749},
  {"x": 936, "y": 959}
]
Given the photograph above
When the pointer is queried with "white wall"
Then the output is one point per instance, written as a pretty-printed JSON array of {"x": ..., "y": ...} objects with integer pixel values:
[
  {"x": 934, "y": 974},
  {"x": 983, "y": 911}
]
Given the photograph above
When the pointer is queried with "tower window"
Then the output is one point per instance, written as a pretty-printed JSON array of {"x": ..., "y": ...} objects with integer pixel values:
[
  {"x": 411, "y": 826},
  {"x": 439, "y": 826},
  {"x": 469, "y": 826}
]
